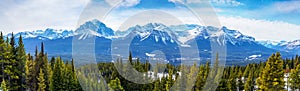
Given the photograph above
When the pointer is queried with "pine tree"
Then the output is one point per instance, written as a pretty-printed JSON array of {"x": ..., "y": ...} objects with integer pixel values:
[
  {"x": 12, "y": 43},
  {"x": 214, "y": 76},
  {"x": 231, "y": 84},
  {"x": 249, "y": 85},
  {"x": 42, "y": 63},
  {"x": 272, "y": 76},
  {"x": 240, "y": 82},
  {"x": 3, "y": 85},
  {"x": 115, "y": 85},
  {"x": 246, "y": 72},
  {"x": 57, "y": 80},
  {"x": 156, "y": 86},
  {"x": 2, "y": 55},
  {"x": 294, "y": 78},
  {"x": 29, "y": 73},
  {"x": 21, "y": 59},
  {"x": 130, "y": 58},
  {"x": 296, "y": 61},
  {"x": 200, "y": 78},
  {"x": 192, "y": 75},
  {"x": 74, "y": 82},
  {"x": 41, "y": 81},
  {"x": 169, "y": 80},
  {"x": 52, "y": 62},
  {"x": 11, "y": 66}
]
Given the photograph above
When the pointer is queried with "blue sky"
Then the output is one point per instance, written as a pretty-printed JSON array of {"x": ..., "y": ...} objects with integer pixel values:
[
  {"x": 261, "y": 19},
  {"x": 272, "y": 10}
]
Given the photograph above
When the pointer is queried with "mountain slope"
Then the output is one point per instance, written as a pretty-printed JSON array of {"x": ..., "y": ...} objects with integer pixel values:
[
  {"x": 290, "y": 46},
  {"x": 145, "y": 39},
  {"x": 45, "y": 34},
  {"x": 94, "y": 28}
]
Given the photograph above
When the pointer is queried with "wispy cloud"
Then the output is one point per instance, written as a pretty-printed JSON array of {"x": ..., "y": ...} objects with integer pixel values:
[
  {"x": 20, "y": 15},
  {"x": 288, "y": 7},
  {"x": 214, "y": 2},
  {"x": 260, "y": 29},
  {"x": 263, "y": 29},
  {"x": 226, "y": 2},
  {"x": 124, "y": 3}
]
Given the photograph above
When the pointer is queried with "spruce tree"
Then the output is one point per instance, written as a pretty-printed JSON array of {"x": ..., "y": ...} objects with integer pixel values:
[
  {"x": 3, "y": 85},
  {"x": 200, "y": 78},
  {"x": 116, "y": 85},
  {"x": 246, "y": 72},
  {"x": 57, "y": 80},
  {"x": 240, "y": 83},
  {"x": 21, "y": 59},
  {"x": 11, "y": 65},
  {"x": 272, "y": 76},
  {"x": 130, "y": 58},
  {"x": 41, "y": 81},
  {"x": 156, "y": 86},
  {"x": 249, "y": 85},
  {"x": 294, "y": 78},
  {"x": 42, "y": 63},
  {"x": 29, "y": 73},
  {"x": 191, "y": 77},
  {"x": 52, "y": 62},
  {"x": 2, "y": 55},
  {"x": 231, "y": 83},
  {"x": 169, "y": 81}
]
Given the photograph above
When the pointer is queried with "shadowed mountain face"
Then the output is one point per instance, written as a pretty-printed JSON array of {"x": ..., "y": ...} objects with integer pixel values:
[{"x": 143, "y": 40}]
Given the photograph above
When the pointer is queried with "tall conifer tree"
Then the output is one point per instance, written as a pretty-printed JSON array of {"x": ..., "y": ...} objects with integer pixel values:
[{"x": 272, "y": 76}]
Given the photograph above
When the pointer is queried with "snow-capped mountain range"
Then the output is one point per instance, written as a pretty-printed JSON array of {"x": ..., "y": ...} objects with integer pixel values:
[
  {"x": 45, "y": 34},
  {"x": 94, "y": 28},
  {"x": 239, "y": 46},
  {"x": 282, "y": 45},
  {"x": 180, "y": 33}
]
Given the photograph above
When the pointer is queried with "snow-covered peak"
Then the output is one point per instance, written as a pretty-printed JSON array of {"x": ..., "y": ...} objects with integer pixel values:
[
  {"x": 45, "y": 34},
  {"x": 94, "y": 28},
  {"x": 149, "y": 28},
  {"x": 188, "y": 32},
  {"x": 156, "y": 26},
  {"x": 271, "y": 44},
  {"x": 158, "y": 31},
  {"x": 292, "y": 44},
  {"x": 283, "y": 45},
  {"x": 237, "y": 35}
]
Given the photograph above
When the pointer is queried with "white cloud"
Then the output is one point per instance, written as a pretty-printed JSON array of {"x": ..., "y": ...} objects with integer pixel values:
[
  {"x": 30, "y": 15},
  {"x": 227, "y": 2},
  {"x": 21, "y": 15},
  {"x": 287, "y": 7},
  {"x": 122, "y": 20},
  {"x": 215, "y": 2},
  {"x": 177, "y": 1},
  {"x": 262, "y": 29},
  {"x": 124, "y": 3}
]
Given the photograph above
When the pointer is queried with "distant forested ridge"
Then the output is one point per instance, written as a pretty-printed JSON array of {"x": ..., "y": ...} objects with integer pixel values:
[{"x": 36, "y": 72}]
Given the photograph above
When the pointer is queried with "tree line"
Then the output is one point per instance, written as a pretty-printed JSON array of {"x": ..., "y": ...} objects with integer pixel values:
[
  {"x": 262, "y": 76},
  {"x": 26, "y": 72}
]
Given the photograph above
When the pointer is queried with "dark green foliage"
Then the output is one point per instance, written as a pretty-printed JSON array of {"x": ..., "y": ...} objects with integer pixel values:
[
  {"x": 116, "y": 85},
  {"x": 272, "y": 76},
  {"x": 21, "y": 72},
  {"x": 41, "y": 81},
  {"x": 294, "y": 79}
]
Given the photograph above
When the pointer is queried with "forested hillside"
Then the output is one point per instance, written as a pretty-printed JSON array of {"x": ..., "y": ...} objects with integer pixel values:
[{"x": 37, "y": 72}]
